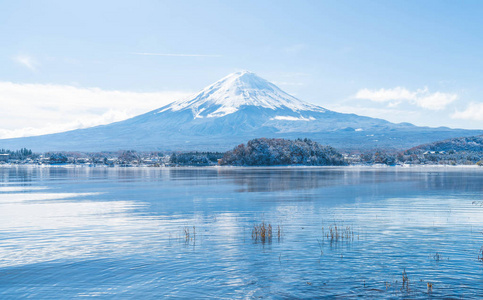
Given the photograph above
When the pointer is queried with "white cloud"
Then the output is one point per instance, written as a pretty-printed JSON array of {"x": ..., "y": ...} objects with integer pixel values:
[
  {"x": 436, "y": 101},
  {"x": 35, "y": 109},
  {"x": 421, "y": 97},
  {"x": 386, "y": 95},
  {"x": 176, "y": 54},
  {"x": 26, "y": 61},
  {"x": 474, "y": 111},
  {"x": 387, "y": 113}
]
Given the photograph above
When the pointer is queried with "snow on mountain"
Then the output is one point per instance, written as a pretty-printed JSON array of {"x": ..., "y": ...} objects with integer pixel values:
[
  {"x": 244, "y": 88},
  {"x": 233, "y": 110},
  {"x": 289, "y": 118}
]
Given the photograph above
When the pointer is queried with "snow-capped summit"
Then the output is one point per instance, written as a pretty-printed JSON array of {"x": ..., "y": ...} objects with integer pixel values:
[
  {"x": 233, "y": 110},
  {"x": 239, "y": 89}
]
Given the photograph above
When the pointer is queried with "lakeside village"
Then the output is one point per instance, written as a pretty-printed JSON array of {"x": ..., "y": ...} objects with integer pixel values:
[{"x": 257, "y": 152}]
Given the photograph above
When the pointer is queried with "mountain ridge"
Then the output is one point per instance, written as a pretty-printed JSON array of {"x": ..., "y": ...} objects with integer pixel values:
[
  {"x": 470, "y": 143},
  {"x": 237, "y": 108}
]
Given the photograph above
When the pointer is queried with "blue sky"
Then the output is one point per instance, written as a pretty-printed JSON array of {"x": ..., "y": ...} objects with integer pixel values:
[{"x": 71, "y": 64}]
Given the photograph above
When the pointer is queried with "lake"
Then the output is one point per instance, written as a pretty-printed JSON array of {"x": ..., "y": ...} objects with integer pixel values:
[{"x": 150, "y": 233}]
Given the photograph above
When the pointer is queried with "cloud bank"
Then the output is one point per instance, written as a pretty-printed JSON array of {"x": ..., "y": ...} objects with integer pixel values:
[
  {"x": 474, "y": 111},
  {"x": 36, "y": 109},
  {"x": 421, "y": 97}
]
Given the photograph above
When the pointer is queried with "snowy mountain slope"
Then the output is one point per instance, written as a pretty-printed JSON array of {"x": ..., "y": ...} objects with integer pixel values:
[
  {"x": 236, "y": 90},
  {"x": 239, "y": 107},
  {"x": 243, "y": 102}
]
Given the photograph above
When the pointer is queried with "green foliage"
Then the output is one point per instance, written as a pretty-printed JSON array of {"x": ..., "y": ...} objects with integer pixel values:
[
  {"x": 271, "y": 152},
  {"x": 18, "y": 154},
  {"x": 195, "y": 158},
  {"x": 57, "y": 158},
  {"x": 127, "y": 157}
]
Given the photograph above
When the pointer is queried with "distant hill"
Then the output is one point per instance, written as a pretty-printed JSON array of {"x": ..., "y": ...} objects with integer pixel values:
[
  {"x": 469, "y": 144},
  {"x": 237, "y": 108},
  {"x": 273, "y": 152}
]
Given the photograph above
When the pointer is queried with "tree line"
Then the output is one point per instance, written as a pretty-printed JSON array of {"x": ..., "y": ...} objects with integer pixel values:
[
  {"x": 272, "y": 152},
  {"x": 269, "y": 152}
]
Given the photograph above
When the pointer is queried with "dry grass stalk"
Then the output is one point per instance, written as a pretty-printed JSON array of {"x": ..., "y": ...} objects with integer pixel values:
[
  {"x": 189, "y": 236},
  {"x": 337, "y": 232},
  {"x": 405, "y": 280},
  {"x": 263, "y": 232}
]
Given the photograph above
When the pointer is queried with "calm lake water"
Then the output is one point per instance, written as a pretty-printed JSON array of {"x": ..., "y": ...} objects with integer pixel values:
[{"x": 145, "y": 233}]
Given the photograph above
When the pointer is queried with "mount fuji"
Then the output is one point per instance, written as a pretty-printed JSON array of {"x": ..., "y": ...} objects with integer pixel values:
[{"x": 239, "y": 107}]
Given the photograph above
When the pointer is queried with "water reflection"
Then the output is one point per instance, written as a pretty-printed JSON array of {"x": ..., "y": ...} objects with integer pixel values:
[
  {"x": 119, "y": 232},
  {"x": 256, "y": 179}
]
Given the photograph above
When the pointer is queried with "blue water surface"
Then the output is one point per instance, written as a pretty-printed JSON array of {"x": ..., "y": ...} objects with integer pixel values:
[{"x": 150, "y": 233}]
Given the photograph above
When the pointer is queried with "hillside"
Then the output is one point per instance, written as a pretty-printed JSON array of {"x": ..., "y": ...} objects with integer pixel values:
[
  {"x": 237, "y": 108},
  {"x": 273, "y": 152},
  {"x": 469, "y": 144}
]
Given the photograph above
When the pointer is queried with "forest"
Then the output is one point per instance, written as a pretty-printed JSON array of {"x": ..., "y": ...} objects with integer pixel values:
[
  {"x": 268, "y": 152},
  {"x": 273, "y": 152}
]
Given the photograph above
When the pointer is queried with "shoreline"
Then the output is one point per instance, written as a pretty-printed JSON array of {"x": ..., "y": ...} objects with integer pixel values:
[{"x": 349, "y": 167}]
